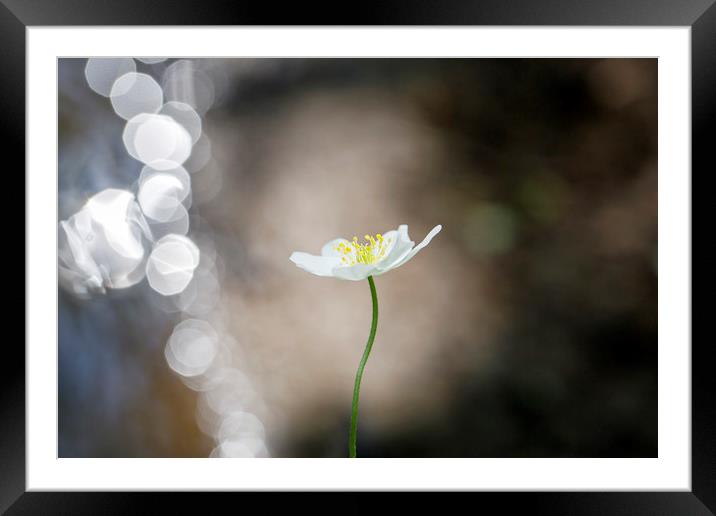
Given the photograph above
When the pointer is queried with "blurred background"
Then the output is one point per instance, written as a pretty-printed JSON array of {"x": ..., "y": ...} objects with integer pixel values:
[{"x": 528, "y": 327}]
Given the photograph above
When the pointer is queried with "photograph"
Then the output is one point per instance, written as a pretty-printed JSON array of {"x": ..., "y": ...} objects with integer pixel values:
[{"x": 357, "y": 257}]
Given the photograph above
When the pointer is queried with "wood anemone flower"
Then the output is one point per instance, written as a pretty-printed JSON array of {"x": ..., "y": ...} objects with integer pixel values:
[{"x": 355, "y": 261}]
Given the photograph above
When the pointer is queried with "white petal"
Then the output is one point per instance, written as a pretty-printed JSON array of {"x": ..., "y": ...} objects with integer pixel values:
[
  {"x": 330, "y": 248},
  {"x": 418, "y": 247},
  {"x": 354, "y": 272},
  {"x": 318, "y": 265},
  {"x": 400, "y": 247}
]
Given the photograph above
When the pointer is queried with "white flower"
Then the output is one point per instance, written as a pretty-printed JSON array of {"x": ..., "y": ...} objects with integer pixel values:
[{"x": 355, "y": 261}]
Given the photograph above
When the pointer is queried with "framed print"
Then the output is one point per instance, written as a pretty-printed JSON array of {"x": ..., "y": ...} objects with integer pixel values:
[{"x": 444, "y": 248}]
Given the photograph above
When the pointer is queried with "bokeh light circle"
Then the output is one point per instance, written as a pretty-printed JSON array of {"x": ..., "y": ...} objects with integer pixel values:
[
  {"x": 169, "y": 167},
  {"x": 171, "y": 264},
  {"x": 157, "y": 140},
  {"x": 243, "y": 448},
  {"x": 183, "y": 82},
  {"x": 135, "y": 93},
  {"x": 233, "y": 392},
  {"x": 240, "y": 425},
  {"x": 184, "y": 115},
  {"x": 192, "y": 347},
  {"x": 102, "y": 72},
  {"x": 162, "y": 191}
]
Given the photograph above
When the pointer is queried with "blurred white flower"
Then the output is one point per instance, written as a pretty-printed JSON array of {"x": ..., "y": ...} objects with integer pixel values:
[
  {"x": 355, "y": 261},
  {"x": 104, "y": 245}
]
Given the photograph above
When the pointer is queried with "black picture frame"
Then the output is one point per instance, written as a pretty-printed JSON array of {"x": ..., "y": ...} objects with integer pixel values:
[{"x": 700, "y": 15}]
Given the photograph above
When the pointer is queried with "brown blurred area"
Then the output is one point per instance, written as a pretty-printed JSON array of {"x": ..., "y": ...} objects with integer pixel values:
[{"x": 527, "y": 328}]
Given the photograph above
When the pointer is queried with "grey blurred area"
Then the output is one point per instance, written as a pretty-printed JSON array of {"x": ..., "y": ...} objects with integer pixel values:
[{"x": 528, "y": 327}]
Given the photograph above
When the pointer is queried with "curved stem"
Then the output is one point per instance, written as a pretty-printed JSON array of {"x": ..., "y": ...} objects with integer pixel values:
[{"x": 359, "y": 373}]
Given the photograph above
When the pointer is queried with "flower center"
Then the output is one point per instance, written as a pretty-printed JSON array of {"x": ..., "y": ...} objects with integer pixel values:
[{"x": 371, "y": 251}]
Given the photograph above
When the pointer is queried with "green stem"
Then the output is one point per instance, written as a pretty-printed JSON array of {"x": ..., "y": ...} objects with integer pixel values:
[{"x": 359, "y": 373}]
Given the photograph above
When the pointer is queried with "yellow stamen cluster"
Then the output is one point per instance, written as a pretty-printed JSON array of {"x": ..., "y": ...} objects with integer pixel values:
[{"x": 371, "y": 251}]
